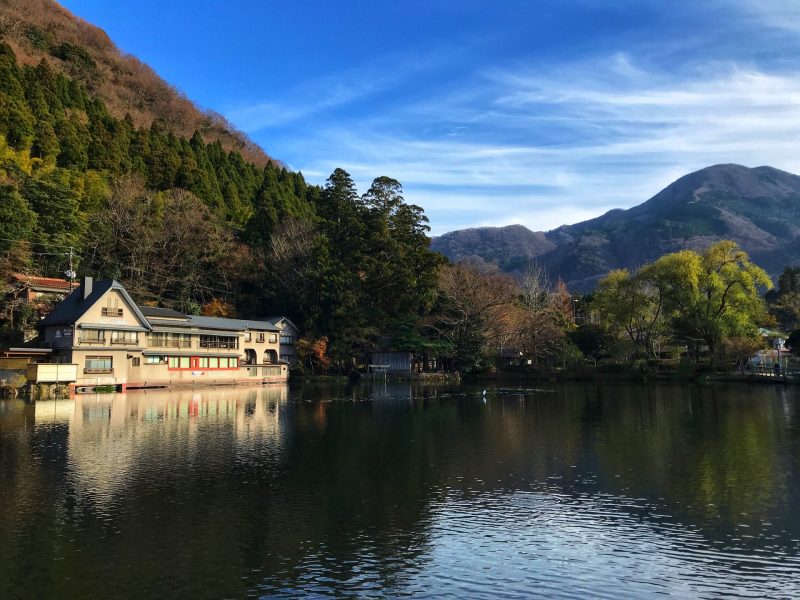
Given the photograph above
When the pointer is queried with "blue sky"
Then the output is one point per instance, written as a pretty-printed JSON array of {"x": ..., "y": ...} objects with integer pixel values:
[{"x": 489, "y": 113}]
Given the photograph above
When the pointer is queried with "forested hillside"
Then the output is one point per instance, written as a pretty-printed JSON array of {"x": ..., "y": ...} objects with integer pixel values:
[
  {"x": 42, "y": 29},
  {"x": 186, "y": 223}
]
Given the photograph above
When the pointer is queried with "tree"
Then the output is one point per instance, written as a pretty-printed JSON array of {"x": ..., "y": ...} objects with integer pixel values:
[
  {"x": 543, "y": 314},
  {"x": 632, "y": 305},
  {"x": 469, "y": 303},
  {"x": 17, "y": 220},
  {"x": 784, "y": 302},
  {"x": 713, "y": 295},
  {"x": 313, "y": 353},
  {"x": 703, "y": 297}
]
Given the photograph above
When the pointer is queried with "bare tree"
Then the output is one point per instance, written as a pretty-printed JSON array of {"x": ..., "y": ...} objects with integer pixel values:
[{"x": 473, "y": 304}]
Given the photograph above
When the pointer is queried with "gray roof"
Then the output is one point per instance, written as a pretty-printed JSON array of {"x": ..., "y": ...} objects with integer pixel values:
[
  {"x": 236, "y": 324},
  {"x": 73, "y": 307},
  {"x": 161, "y": 313}
]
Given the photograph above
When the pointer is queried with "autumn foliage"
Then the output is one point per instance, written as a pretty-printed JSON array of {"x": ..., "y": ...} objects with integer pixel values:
[{"x": 314, "y": 354}]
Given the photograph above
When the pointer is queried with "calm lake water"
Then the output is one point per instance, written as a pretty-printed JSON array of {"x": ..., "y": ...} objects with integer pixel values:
[{"x": 428, "y": 491}]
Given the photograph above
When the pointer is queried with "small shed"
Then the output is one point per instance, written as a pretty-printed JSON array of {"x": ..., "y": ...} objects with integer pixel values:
[{"x": 396, "y": 361}]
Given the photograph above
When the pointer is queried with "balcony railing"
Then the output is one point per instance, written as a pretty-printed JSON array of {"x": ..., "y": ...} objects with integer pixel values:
[
  {"x": 110, "y": 312},
  {"x": 220, "y": 344},
  {"x": 98, "y": 371},
  {"x": 170, "y": 343},
  {"x": 92, "y": 341},
  {"x": 124, "y": 342}
]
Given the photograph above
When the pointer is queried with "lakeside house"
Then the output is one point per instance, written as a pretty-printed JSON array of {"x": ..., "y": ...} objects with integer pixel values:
[
  {"x": 289, "y": 334},
  {"x": 39, "y": 293},
  {"x": 107, "y": 339}
]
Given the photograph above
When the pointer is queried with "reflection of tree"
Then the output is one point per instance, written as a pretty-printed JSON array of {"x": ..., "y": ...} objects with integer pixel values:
[
  {"x": 232, "y": 491},
  {"x": 716, "y": 460}
]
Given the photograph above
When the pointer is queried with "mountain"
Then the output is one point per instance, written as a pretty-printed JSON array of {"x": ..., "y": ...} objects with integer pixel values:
[
  {"x": 39, "y": 30},
  {"x": 759, "y": 208}
]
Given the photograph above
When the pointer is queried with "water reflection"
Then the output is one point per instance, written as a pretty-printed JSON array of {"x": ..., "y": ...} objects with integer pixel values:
[
  {"x": 110, "y": 437},
  {"x": 403, "y": 489}
]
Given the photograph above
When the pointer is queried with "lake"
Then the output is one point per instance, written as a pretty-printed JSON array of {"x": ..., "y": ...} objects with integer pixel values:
[{"x": 387, "y": 490}]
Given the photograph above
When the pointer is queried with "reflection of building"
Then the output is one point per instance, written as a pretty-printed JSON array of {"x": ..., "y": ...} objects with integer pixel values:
[
  {"x": 112, "y": 436},
  {"x": 100, "y": 329}
]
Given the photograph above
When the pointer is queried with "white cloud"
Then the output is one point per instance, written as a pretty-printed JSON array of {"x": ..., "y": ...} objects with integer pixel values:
[
  {"x": 546, "y": 146},
  {"x": 777, "y": 14}
]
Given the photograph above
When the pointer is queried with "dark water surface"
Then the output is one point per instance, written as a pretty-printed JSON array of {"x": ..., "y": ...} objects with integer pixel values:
[{"x": 572, "y": 491}]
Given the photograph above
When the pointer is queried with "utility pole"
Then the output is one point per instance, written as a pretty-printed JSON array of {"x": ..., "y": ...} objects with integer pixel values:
[{"x": 70, "y": 273}]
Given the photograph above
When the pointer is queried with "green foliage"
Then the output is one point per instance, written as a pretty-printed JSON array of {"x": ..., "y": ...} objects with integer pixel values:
[
  {"x": 706, "y": 297},
  {"x": 74, "y": 55},
  {"x": 41, "y": 40},
  {"x": 17, "y": 220},
  {"x": 784, "y": 302},
  {"x": 183, "y": 222}
]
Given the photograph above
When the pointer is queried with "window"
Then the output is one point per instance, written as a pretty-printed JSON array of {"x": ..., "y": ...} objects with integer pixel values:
[
  {"x": 260, "y": 338},
  {"x": 287, "y": 339},
  {"x": 155, "y": 360},
  {"x": 98, "y": 364},
  {"x": 129, "y": 338},
  {"x": 160, "y": 339},
  {"x": 247, "y": 336},
  {"x": 111, "y": 309},
  {"x": 201, "y": 362},
  {"x": 273, "y": 337},
  {"x": 179, "y": 362},
  {"x": 93, "y": 336},
  {"x": 219, "y": 341},
  {"x": 136, "y": 361}
]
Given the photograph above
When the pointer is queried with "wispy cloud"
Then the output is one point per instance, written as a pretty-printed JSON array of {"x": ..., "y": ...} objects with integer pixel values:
[
  {"x": 546, "y": 144},
  {"x": 778, "y": 14}
]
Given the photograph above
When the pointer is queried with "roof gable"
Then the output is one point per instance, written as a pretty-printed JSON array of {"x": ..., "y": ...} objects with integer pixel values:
[
  {"x": 74, "y": 306},
  {"x": 276, "y": 322}
]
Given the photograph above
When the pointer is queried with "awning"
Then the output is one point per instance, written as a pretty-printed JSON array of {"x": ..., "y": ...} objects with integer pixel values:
[
  {"x": 109, "y": 327},
  {"x": 188, "y": 331},
  {"x": 200, "y": 354}
]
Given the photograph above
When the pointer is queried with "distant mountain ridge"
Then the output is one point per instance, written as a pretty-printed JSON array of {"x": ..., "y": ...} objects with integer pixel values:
[{"x": 757, "y": 207}]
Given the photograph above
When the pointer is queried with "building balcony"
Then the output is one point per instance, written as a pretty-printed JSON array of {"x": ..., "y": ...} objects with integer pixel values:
[
  {"x": 98, "y": 371},
  {"x": 214, "y": 345},
  {"x": 95, "y": 341},
  {"x": 171, "y": 344}
]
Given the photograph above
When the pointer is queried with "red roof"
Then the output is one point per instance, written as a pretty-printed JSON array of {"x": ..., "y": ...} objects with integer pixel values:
[{"x": 44, "y": 282}]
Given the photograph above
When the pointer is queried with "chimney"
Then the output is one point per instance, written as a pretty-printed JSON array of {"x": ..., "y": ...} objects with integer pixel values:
[{"x": 86, "y": 286}]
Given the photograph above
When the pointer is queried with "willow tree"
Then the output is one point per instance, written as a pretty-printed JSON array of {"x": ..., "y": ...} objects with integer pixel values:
[
  {"x": 714, "y": 294},
  {"x": 633, "y": 306},
  {"x": 702, "y": 297}
]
